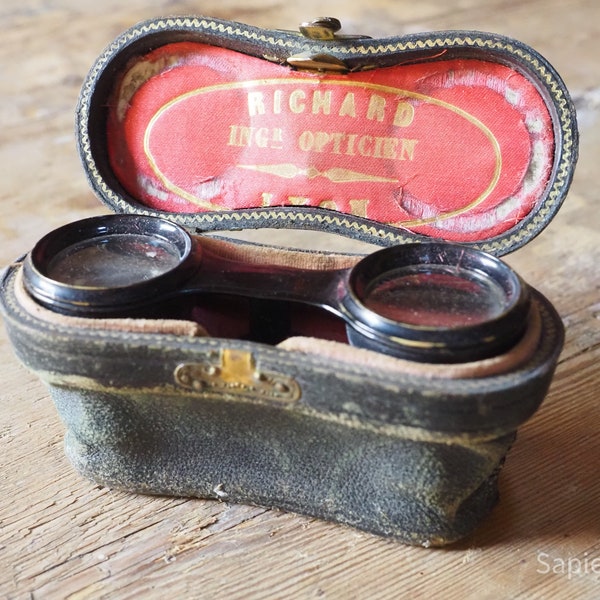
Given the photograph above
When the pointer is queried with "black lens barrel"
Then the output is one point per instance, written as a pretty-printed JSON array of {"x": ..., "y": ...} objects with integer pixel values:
[
  {"x": 91, "y": 295},
  {"x": 432, "y": 302},
  {"x": 459, "y": 303}
]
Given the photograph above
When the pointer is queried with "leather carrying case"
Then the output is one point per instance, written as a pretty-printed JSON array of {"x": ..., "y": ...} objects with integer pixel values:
[{"x": 461, "y": 136}]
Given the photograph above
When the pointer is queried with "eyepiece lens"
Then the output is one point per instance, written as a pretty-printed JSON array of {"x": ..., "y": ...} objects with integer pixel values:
[
  {"x": 108, "y": 265},
  {"x": 436, "y": 302},
  {"x": 113, "y": 260},
  {"x": 435, "y": 296}
]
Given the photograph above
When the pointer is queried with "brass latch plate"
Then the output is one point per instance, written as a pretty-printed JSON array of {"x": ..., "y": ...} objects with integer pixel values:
[{"x": 235, "y": 372}]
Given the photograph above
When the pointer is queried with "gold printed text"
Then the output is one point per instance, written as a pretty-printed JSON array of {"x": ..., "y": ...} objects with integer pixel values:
[
  {"x": 352, "y": 144},
  {"x": 398, "y": 111},
  {"x": 259, "y": 137},
  {"x": 323, "y": 142}
]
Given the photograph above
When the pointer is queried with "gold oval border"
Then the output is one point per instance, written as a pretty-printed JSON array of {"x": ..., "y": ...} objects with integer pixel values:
[{"x": 175, "y": 189}]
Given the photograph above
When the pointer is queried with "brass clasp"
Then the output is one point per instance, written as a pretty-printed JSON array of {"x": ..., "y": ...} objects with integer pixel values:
[
  {"x": 323, "y": 29},
  {"x": 326, "y": 29},
  {"x": 317, "y": 62},
  {"x": 235, "y": 372}
]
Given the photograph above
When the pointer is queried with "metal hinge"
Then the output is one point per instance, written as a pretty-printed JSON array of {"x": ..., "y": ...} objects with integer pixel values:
[{"x": 322, "y": 29}]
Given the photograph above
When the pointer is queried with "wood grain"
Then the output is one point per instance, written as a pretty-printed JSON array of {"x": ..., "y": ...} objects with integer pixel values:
[{"x": 63, "y": 537}]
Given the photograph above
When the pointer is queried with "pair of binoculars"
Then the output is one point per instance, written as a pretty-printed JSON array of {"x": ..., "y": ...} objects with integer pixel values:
[{"x": 430, "y": 302}]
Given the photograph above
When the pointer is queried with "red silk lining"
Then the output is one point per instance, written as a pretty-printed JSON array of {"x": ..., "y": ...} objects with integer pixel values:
[{"x": 459, "y": 149}]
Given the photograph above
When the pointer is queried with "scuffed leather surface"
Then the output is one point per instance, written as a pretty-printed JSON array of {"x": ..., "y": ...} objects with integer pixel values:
[
  {"x": 418, "y": 492},
  {"x": 399, "y": 456}
]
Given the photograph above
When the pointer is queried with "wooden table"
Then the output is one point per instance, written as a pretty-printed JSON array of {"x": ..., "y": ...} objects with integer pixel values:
[{"x": 63, "y": 537}]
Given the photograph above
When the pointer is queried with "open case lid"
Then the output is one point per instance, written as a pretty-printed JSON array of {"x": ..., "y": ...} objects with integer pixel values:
[{"x": 462, "y": 136}]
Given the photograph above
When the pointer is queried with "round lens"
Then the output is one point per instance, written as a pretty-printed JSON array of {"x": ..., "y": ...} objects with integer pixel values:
[
  {"x": 111, "y": 261},
  {"x": 435, "y": 296},
  {"x": 436, "y": 302},
  {"x": 108, "y": 265}
]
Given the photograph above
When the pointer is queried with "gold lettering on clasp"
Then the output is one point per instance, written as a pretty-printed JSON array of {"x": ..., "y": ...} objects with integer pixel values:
[{"x": 236, "y": 373}]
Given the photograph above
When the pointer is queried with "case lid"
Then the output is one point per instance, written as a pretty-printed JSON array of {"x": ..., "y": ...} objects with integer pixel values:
[{"x": 463, "y": 136}]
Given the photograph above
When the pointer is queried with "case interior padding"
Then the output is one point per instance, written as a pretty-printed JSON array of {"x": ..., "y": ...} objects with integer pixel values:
[{"x": 460, "y": 149}]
